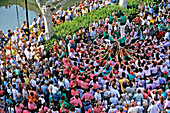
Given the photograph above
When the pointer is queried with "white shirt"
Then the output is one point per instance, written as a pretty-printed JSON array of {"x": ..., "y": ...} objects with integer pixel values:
[
  {"x": 14, "y": 38},
  {"x": 95, "y": 24},
  {"x": 163, "y": 69},
  {"x": 133, "y": 110},
  {"x": 24, "y": 93},
  {"x": 14, "y": 92},
  {"x": 61, "y": 13},
  {"x": 60, "y": 84},
  {"x": 97, "y": 96},
  {"x": 154, "y": 70},
  {"x": 153, "y": 109},
  {"x": 66, "y": 82},
  {"x": 33, "y": 83}
]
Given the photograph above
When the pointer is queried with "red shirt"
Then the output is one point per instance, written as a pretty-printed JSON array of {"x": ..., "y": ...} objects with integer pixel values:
[
  {"x": 137, "y": 20},
  {"x": 160, "y": 35},
  {"x": 55, "y": 48},
  {"x": 145, "y": 95},
  {"x": 81, "y": 5}
]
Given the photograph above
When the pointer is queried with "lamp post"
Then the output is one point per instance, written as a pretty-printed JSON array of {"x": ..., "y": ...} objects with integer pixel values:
[{"x": 26, "y": 13}]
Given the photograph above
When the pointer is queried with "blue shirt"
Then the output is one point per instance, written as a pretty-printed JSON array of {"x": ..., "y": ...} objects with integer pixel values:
[
  {"x": 162, "y": 80},
  {"x": 151, "y": 10},
  {"x": 131, "y": 76},
  {"x": 114, "y": 100}
]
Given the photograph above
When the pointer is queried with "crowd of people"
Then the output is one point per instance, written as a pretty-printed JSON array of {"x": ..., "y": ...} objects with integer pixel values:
[
  {"x": 114, "y": 66},
  {"x": 83, "y": 8}
]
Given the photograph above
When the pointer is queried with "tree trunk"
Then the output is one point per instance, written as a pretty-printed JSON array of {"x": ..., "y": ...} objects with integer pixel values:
[
  {"x": 47, "y": 14},
  {"x": 48, "y": 22},
  {"x": 123, "y": 3}
]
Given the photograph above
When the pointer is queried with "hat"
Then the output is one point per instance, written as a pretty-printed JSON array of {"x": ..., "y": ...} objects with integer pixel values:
[
  {"x": 12, "y": 56},
  {"x": 130, "y": 52},
  {"x": 124, "y": 54},
  {"x": 105, "y": 77},
  {"x": 71, "y": 49},
  {"x": 137, "y": 44},
  {"x": 165, "y": 72},
  {"x": 131, "y": 72},
  {"x": 116, "y": 72},
  {"x": 156, "y": 78},
  {"x": 130, "y": 62},
  {"x": 155, "y": 62},
  {"x": 71, "y": 41}
]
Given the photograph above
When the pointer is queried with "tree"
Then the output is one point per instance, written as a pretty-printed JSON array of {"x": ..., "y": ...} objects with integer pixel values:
[
  {"x": 47, "y": 11},
  {"x": 123, "y": 3}
]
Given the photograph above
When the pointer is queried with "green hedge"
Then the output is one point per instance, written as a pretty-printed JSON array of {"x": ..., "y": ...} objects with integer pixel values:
[{"x": 85, "y": 21}]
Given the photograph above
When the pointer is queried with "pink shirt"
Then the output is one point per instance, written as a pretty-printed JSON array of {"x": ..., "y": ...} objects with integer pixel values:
[
  {"x": 2, "y": 111},
  {"x": 74, "y": 92},
  {"x": 96, "y": 86},
  {"x": 32, "y": 106},
  {"x": 76, "y": 102},
  {"x": 73, "y": 84},
  {"x": 85, "y": 85},
  {"x": 78, "y": 82},
  {"x": 65, "y": 71},
  {"x": 75, "y": 68},
  {"x": 46, "y": 73},
  {"x": 87, "y": 96},
  {"x": 25, "y": 111},
  {"x": 18, "y": 110},
  {"x": 44, "y": 109},
  {"x": 67, "y": 64},
  {"x": 92, "y": 75}
]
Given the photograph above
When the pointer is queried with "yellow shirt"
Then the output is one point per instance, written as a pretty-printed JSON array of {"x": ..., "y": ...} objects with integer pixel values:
[
  {"x": 27, "y": 81},
  {"x": 84, "y": 11},
  {"x": 152, "y": 21}
]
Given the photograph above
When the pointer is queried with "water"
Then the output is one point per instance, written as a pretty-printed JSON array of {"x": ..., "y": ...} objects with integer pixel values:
[{"x": 13, "y": 13}]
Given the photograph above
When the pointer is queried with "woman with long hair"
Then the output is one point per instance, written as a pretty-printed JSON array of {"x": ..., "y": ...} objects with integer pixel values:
[{"x": 161, "y": 103}]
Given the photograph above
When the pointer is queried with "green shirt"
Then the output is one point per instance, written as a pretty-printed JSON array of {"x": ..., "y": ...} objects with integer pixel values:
[
  {"x": 111, "y": 38},
  {"x": 104, "y": 34},
  {"x": 122, "y": 40},
  {"x": 122, "y": 19},
  {"x": 17, "y": 71}
]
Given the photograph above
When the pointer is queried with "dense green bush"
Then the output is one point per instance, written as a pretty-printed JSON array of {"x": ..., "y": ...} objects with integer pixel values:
[{"x": 85, "y": 21}]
